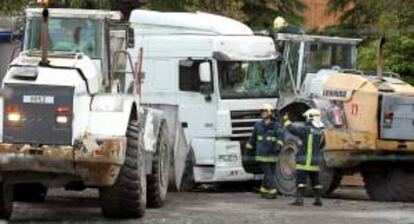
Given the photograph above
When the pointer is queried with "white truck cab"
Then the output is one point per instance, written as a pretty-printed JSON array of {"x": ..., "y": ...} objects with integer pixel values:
[{"x": 215, "y": 74}]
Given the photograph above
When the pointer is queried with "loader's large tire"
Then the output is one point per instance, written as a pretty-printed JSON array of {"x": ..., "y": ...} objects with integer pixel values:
[
  {"x": 30, "y": 192},
  {"x": 127, "y": 197},
  {"x": 187, "y": 182},
  {"x": 285, "y": 168},
  {"x": 6, "y": 201},
  {"x": 395, "y": 183},
  {"x": 157, "y": 181},
  {"x": 330, "y": 178}
]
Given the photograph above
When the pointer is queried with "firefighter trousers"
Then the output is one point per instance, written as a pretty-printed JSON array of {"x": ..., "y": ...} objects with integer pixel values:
[
  {"x": 269, "y": 178},
  {"x": 302, "y": 178}
]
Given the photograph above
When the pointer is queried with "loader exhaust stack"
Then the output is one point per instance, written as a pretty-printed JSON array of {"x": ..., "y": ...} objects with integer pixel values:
[
  {"x": 45, "y": 37},
  {"x": 379, "y": 58}
]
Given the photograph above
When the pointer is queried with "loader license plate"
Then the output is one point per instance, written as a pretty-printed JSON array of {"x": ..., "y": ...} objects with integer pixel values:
[{"x": 38, "y": 99}]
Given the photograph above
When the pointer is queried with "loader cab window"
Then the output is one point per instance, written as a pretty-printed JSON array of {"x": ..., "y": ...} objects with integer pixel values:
[
  {"x": 189, "y": 77},
  {"x": 67, "y": 35},
  {"x": 327, "y": 55},
  {"x": 289, "y": 66}
]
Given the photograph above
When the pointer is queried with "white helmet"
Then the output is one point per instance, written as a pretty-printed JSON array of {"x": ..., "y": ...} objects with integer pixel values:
[
  {"x": 279, "y": 22},
  {"x": 314, "y": 117}
]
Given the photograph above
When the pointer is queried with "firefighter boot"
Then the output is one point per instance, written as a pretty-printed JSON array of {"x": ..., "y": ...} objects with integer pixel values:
[
  {"x": 317, "y": 191},
  {"x": 268, "y": 193},
  {"x": 299, "y": 196}
]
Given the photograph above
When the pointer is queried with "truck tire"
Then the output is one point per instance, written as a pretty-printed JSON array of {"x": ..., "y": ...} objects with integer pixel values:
[
  {"x": 329, "y": 178},
  {"x": 157, "y": 181},
  {"x": 285, "y": 168},
  {"x": 391, "y": 184},
  {"x": 187, "y": 182},
  {"x": 6, "y": 201},
  {"x": 127, "y": 197},
  {"x": 30, "y": 192}
]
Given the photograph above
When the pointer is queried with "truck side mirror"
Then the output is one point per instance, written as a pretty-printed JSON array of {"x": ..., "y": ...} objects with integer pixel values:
[
  {"x": 206, "y": 87},
  {"x": 131, "y": 38},
  {"x": 204, "y": 70}
]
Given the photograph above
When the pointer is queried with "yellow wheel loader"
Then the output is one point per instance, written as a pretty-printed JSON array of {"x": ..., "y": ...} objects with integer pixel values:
[{"x": 368, "y": 116}]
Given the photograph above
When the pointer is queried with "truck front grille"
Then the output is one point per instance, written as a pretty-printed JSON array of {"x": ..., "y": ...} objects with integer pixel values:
[{"x": 242, "y": 123}]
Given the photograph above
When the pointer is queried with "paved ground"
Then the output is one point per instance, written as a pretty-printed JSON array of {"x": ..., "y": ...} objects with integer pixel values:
[{"x": 348, "y": 205}]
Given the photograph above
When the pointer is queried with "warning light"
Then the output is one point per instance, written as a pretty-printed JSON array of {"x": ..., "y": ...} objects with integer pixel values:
[{"x": 43, "y": 2}]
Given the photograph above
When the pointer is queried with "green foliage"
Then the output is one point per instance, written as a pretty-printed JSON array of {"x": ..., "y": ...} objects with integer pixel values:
[
  {"x": 91, "y": 4},
  {"x": 400, "y": 54},
  {"x": 12, "y": 7},
  {"x": 371, "y": 19},
  {"x": 367, "y": 57},
  {"x": 256, "y": 13}
]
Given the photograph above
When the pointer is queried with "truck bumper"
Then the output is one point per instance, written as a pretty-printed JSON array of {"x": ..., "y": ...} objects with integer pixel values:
[
  {"x": 226, "y": 166},
  {"x": 95, "y": 162}
]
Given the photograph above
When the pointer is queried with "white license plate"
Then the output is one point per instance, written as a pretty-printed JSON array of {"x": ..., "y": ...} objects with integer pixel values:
[{"x": 38, "y": 99}]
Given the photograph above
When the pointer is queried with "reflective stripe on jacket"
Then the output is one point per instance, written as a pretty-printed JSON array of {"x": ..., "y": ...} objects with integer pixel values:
[
  {"x": 267, "y": 140},
  {"x": 309, "y": 155}
]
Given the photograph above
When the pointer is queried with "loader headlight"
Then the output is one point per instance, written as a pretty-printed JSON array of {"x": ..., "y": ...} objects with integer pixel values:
[
  {"x": 14, "y": 117},
  {"x": 63, "y": 116},
  {"x": 62, "y": 119},
  {"x": 388, "y": 118}
]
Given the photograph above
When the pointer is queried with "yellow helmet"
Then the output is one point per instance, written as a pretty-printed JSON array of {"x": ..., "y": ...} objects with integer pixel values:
[{"x": 268, "y": 107}]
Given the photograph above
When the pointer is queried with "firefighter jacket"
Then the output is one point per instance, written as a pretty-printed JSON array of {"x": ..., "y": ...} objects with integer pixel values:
[
  {"x": 267, "y": 140},
  {"x": 310, "y": 152}
]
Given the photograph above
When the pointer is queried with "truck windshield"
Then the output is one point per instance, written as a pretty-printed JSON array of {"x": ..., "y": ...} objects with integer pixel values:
[
  {"x": 67, "y": 35},
  {"x": 328, "y": 55},
  {"x": 248, "y": 79}
]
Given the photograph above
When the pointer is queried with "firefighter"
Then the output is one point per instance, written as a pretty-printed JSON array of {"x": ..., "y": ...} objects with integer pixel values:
[
  {"x": 267, "y": 139},
  {"x": 309, "y": 154}
]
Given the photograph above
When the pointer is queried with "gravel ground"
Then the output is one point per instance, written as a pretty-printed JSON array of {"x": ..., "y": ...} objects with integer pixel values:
[{"x": 347, "y": 205}]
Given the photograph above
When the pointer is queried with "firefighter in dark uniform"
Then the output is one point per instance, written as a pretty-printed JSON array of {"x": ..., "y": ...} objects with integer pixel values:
[
  {"x": 267, "y": 139},
  {"x": 309, "y": 155}
]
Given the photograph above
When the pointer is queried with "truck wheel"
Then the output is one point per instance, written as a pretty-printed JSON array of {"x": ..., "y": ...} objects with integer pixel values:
[
  {"x": 187, "y": 182},
  {"x": 285, "y": 168},
  {"x": 157, "y": 181},
  {"x": 127, "y": 197},
  {"x": 30, "y": 192},
  {"x": 6, "y": 201},
  {"x": 391, "y": 184},
  {"x": 329, "y": 177}
]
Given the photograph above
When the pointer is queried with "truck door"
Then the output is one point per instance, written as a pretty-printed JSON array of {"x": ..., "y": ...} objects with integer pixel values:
[{"x": 198, "y": 105}]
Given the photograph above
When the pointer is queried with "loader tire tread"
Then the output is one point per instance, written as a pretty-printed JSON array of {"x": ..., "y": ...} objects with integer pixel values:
[
  {"x": 395, "y": 184},
  {"x": 127, "y": 197},
  {"x": 157, "y": 181},
  {"x": 6, "y": 201}
]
